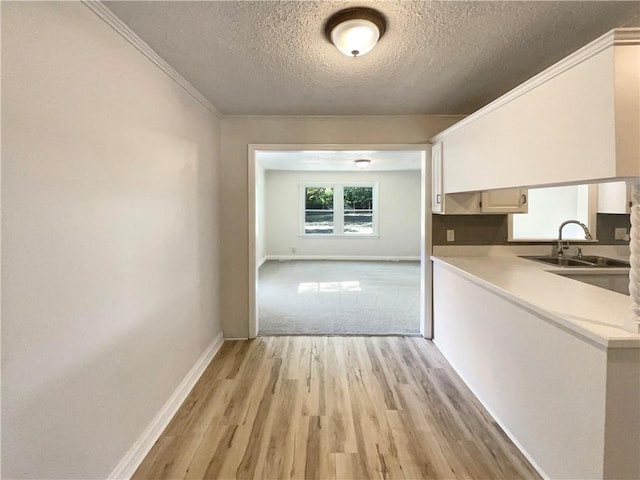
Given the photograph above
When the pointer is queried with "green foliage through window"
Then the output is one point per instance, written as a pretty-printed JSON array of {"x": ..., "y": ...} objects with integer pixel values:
[
  {"x": 358, "y": 198},
  {"x": 338, "y": 210},
  {"x": 358, "y": 210},
  {"x": 319, "y": 198}
]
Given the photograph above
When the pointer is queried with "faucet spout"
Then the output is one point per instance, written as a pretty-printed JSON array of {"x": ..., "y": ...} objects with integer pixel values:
[{"x": 559, "y": 246}]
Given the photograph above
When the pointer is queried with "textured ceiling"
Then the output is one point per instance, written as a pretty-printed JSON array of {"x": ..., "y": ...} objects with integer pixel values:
[
  {"x": 437, "y": 57},
  {"x": 339, "y": 160}
]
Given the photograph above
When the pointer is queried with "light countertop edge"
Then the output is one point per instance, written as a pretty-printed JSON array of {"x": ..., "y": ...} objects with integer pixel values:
[{"x": 598, "y": 331}]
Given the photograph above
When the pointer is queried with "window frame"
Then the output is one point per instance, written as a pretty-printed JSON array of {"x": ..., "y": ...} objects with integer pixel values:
[
  {"x": 304, "y": 210},
  {"x": 338, "y": 209},
  {"x": 592, "y": 217}
]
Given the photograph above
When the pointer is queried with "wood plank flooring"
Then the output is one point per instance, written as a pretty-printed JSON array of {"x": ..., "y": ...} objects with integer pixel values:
[{"x": 332, "y": 407}]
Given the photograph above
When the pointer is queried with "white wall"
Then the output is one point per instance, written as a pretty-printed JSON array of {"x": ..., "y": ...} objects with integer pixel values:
[
  {"x": 613, "y": 197},
  {"x": 109, "y": 240},
  {"x": 261, "y": 214},
  {"x": 398, "y": 215},
  {"x": 622, "y": 436},
  {"x": 238, "y": 132},
  {"x": 548, "y": 208}
]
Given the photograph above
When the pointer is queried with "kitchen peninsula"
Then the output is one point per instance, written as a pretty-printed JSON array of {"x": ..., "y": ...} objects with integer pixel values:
[{"x": 548, "y": 357}]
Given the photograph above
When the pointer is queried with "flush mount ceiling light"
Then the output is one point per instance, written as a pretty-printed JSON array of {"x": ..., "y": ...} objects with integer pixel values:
[
  {"x": 355, "y": 31},
  {"x": 362, "y": 162}
]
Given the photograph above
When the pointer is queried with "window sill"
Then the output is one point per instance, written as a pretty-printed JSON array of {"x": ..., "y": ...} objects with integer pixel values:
[{"x": 333, "y": 235}]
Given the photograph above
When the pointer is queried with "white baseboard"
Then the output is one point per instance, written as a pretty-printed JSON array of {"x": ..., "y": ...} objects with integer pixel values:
[
  {"x": 511, "y": 436},
  {"x": 262, "y": 260},
  {"x": 344, "y": 257},
  {"x": 139, "y": 450}
]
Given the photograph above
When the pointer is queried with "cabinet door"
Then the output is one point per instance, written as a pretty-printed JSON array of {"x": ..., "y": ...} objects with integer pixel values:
[
  {"x": 509, "y": 200},
  {"x": 614, "y": 197},
  {"x": 437, "y": 196}
]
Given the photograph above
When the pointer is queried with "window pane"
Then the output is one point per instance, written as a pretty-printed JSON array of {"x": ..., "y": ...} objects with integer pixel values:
[
  {"x": 318, "y": 198},
  {"x": 358, "y": 221},
  {"x": 358, "y": 210},
  {"x": 358, "y": 198},
  {"x": 548, "y": 208},
  {"x": 318, "y": 221},
  {"x": 318, "y": 214}
]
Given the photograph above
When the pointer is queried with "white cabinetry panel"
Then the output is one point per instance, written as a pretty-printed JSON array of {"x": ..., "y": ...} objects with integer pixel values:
[
  {"x": 509, "y": 200},
  {"x": 577, "y": 121},
  {"x": 614, "y": 197},
  {"x": 512, "y": 200},
  {"x": 505, "y": 354},
  {"x": 437, "y": 197}
]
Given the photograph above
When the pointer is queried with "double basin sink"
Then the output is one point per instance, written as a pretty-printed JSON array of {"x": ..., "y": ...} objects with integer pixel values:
[
  {"x": 586, "y": 261},
  {"x": 600, "y": 275}
]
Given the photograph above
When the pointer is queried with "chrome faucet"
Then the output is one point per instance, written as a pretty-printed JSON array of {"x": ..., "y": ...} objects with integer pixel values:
[{"x": 559, "y": 247}]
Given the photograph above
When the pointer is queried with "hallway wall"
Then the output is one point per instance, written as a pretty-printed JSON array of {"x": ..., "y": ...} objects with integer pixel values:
[
  {"x": 109, "y": 240},
  {"x": 240, "y": 131}
]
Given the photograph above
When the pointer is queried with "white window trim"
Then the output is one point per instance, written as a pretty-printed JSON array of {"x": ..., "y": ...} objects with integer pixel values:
[
  {"x": 591, "y": 224},
  {"x": 338, "y": 209}
]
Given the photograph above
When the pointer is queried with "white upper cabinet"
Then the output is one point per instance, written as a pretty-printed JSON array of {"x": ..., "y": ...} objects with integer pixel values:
[
  {"x": 614, "y": 197},
  {"x": 513, "y": 200},
  {"x": 509, "y": 200},
  {"x": 437, "y": 197},
  {"x": 577, "y": 121}
]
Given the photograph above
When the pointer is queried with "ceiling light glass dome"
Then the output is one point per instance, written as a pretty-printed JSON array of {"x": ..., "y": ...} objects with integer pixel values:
[
  {"x": 355, "y": 31},
  {"x": 355, "y": 37}
]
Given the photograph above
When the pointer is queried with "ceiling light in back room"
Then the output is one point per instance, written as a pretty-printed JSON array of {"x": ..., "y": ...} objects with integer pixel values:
[
  {"x": 355, "y": 31},
  {"x": 362, "y": 162}
]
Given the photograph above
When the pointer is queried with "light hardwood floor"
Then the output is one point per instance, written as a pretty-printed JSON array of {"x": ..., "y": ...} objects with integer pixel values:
[{"x": 332, "y": 407}]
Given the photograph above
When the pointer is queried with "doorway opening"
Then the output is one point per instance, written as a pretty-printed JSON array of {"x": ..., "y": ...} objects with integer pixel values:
[{"x": 312, "y": 211}]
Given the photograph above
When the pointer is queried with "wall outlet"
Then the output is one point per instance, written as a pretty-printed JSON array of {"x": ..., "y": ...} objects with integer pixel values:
[
  {"x": 620, "y": 234},
  {"x": 451, "y": 235},
  {"x": 293, "y": 249}
]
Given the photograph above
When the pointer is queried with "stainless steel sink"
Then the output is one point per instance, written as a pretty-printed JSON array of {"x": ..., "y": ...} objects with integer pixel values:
[
  {"x": 561, "y": 261},
  {"x": 605, "y": 262},
  {"x": 603, "y": 278},
  {"x": 590, "y": 261}
]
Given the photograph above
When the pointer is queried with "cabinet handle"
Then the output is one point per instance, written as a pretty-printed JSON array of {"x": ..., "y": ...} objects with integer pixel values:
[
  {"x": 438, "y": 196},
  {"x": 523, "y": 199}
]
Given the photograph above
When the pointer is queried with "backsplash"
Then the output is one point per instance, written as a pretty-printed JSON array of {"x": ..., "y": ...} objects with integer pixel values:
[
  {"x": 492, "y": 229},
  {"x": 470, "y": 229},
  {"x": 607, "y": 223}
]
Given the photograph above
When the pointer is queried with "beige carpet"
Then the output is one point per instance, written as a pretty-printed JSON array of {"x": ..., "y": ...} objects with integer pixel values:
[{"x": 332, "y": 297}]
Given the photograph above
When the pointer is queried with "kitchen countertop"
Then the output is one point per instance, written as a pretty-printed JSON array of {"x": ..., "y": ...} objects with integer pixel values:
[{"x": 591, "y": 312}]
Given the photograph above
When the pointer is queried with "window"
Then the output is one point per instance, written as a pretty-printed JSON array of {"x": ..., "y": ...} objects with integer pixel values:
[
  {"x": 549, "y": 207},
  {"x": 339, "y": 209},
  {"x": 318, "y": 210},
  {"x": 358, "y": 210}
]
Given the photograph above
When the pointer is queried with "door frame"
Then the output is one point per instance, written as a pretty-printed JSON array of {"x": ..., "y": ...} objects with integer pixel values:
[{"x": 426, "y": 237}]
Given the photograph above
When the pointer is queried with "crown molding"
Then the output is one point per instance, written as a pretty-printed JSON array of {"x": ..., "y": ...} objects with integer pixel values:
[
  {"x": 97, "y": 7},
  {"x": 286, "y": 116},
  {"x": 616, "y": 37},
  {"x": 625, "y": 36}
]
